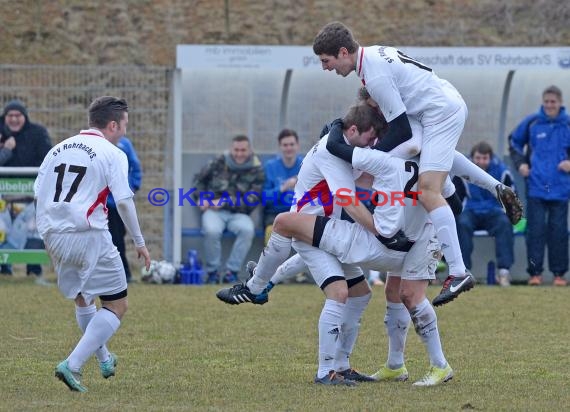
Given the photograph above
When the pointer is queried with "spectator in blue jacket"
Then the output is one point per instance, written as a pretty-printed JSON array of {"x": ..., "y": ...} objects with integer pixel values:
[
  {"x": 482, "y": 211},
  {"x": 280, "y": 177},
  {"x": 540, "y": 149},
  {"x": 116, "y": 225}
]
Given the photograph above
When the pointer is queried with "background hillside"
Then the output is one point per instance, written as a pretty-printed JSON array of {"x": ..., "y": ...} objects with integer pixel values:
[{"x": 145, "y": 32}]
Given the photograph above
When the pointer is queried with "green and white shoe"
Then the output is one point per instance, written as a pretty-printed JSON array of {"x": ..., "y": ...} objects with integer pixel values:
[
  {"x": 70, "y": 378},
  {"x": 435, "y": 376},
  {"x": 385, "y": 374},
  {"x": 108, "y": 367}
]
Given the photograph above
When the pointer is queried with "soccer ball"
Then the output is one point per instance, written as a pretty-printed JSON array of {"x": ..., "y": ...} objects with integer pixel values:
[
  {"x": 151, "y": 275},
  {"x": 159, "y": 272},
  {"x": 166, "y": 271}
]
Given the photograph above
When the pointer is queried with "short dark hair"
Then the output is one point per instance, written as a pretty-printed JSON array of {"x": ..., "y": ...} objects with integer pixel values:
[
  {"x": 483, "y": 148},
  {"x": 332, "y": 37},
  {"x": 363, "y": 117},
  {"x": 553, "y": 90},
  {"x": 240, "y": 138},
  {"x": 286, "y": 133},
  {"x": 106, "y": 109},
  {"x": 362, "y": 94}
]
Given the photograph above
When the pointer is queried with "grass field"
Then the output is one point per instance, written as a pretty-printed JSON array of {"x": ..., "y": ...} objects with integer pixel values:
[{"x": 180, "y": 348}]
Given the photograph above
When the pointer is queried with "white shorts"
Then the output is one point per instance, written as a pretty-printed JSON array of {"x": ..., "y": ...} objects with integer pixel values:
[
  {"x": 352, "y": 244},
  {"x": 323, "y": 265},
  {"x": 440, "y": 140},
  {"x": 86, "y": 263}
]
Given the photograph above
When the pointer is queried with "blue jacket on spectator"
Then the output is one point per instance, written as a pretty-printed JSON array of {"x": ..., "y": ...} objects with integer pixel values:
[
  {"x": 480, "y": 200},
  {"x": 548, "y": 143},
  {"x": 275, "y": 174},
  {"x": 135, "y": 170}
]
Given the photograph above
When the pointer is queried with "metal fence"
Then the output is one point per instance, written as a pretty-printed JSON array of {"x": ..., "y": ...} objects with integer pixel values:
[{"x": 58, "y": 96}]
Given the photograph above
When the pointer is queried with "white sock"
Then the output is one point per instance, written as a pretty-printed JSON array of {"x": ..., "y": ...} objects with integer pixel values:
[
  {"x": 295, "y": 264},
  {"x": 425, "y": 322},
  {"x": 446, "y": 230},
  {"x": 99, "y": 330},
  {"x": 465, "y": 168},
  {"x": 350, "y": 327},
  {"x": 329, "y": 332},
  {"x": 275, "y": 253},
  {"x": 396, "y": 322},
  {"x": 83, "y": 315}
]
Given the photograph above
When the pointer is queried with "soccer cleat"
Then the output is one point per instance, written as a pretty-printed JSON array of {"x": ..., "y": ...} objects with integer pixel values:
[
  {"x": 108, "y": 367},
  {"x": 250, "y": 268},
  {"x": 333, "y": 378},
  {"x": 435, "y": 376},
  {"x": 510, "y": 202},
  {"x": 535, "y": 280},
  {"x": 70, "y": 378},
  {"x": 353, "y": 375},
  {"x": 240, "y": 293},
  {"x": 385, "y": 374},
  {"x": 453, "y": 287}
]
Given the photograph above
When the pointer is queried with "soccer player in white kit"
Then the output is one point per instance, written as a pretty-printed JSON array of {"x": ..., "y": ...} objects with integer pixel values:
[
  {"x": 71, "y": 193},
  {"x": 410, "y": 261},
  {"x": 321, "y": 178},
  {"x": 404, "y": 88}
]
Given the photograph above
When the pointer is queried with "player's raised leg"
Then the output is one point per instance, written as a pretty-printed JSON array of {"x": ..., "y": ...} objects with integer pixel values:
[{"x": 278, "y": 249}]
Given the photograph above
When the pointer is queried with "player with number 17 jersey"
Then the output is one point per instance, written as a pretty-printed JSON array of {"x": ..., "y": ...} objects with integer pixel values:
[{"x": 74, "y": 181}]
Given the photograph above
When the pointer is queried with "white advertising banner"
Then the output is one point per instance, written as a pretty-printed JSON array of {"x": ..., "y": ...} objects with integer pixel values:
[{"x": 195, "y": 56}]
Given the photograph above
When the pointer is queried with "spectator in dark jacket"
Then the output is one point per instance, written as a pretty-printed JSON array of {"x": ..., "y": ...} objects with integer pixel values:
[
  {"x": 483, "y": 211},
  {"x": 23, "y": 144},
  {"x": 540, "y": 150}
]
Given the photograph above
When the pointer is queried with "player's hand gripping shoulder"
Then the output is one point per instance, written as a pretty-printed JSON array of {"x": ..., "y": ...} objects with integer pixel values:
[
  {"x": 336, "y": 144},
  {"x": 399, "y": 242}
]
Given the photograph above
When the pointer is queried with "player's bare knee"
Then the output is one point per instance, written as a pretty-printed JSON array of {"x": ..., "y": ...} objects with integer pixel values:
[
  {"x": 392, "y": 294},
  {"x": 282, "y": 224},
  {"x": 411, "y": 298},
  {"x": 408, "y": 298},
  {"x": 81, "y": 302},
  {"x": 118, "y": 307},
  {"x": 337, "y": 291},
  {"x": 359, "y": 289}
]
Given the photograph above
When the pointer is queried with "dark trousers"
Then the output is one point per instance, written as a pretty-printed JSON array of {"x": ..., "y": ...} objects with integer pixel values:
[
  {"x": 498, "y": 226},
  {"x": 547, "y": 225},
  {"x": 118, "y": 232}
]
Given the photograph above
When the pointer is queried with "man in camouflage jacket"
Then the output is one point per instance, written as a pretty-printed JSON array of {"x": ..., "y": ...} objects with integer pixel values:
[{"x": 227, "y": 190}]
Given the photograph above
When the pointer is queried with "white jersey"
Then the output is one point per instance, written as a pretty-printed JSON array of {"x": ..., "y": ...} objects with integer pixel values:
[
  {"x": 321, "y": 180},
  {"x": 395, "y": 181},
  {"x": 400, "y": 84},
  {"x": 74, "y": 181}
]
